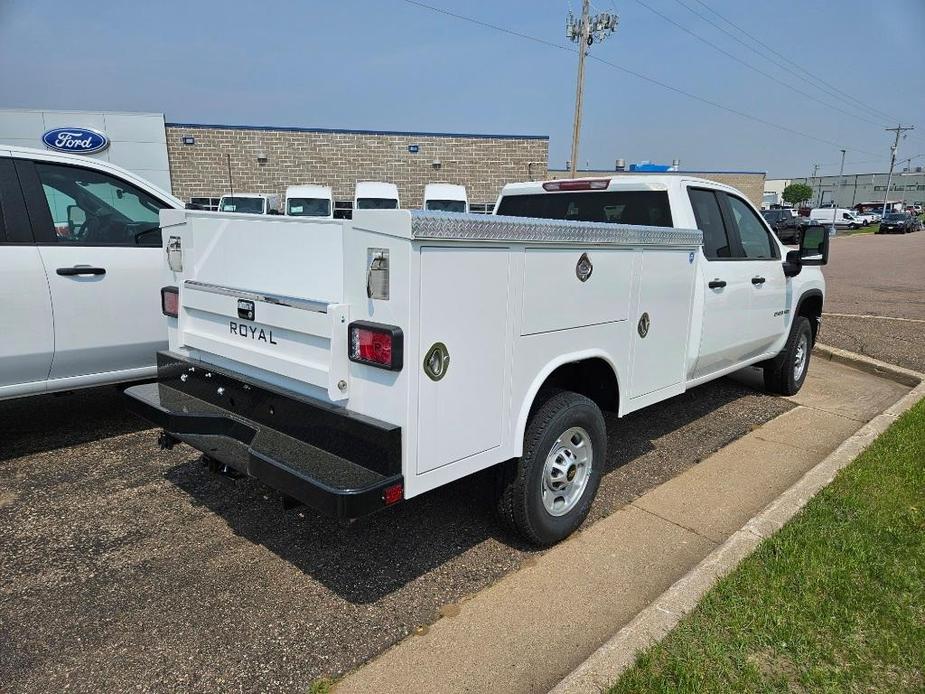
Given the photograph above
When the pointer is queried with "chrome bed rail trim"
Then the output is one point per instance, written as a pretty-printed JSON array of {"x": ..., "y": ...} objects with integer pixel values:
[
  {"x": 279, "y": 300},
  {"x": 478, "y": 227}
]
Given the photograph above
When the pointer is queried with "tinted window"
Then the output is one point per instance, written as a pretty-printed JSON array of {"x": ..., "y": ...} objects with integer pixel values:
[
  {"x": 710, "y": 222},
  {"x": 648, "y": 207},
  {"x": 308, "y": 207},
  {"x": 248, "y": 205},
  {"x": 377, "y": 204},
  {"x": 90, "y": 207},
  {"x": 446, "y": 205},
  {"x": 756, "y": 241}
]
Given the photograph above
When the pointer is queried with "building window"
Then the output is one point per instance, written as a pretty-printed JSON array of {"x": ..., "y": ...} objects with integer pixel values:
[
  {"x": 210, "y": 204},
  {"x": 343, "y": 209},
  {"x": 481, "y": 207}
]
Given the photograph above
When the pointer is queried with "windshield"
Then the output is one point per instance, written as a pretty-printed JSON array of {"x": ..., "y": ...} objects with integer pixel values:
[
  {"x": 649, "y": 207},
  {"x": 894, "y": 217},
  {"x": 446, "y": 205},
  {"x": 308, "y": 207},
  {"x": 251, "y": 205},
  {"x": 377, "y": 204}
]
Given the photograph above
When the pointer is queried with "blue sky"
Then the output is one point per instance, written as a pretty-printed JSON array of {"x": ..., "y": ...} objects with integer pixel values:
[{"x": 391, "y": 65}]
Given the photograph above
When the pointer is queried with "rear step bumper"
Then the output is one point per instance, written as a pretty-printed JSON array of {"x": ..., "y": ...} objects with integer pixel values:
[{"x": 338, "y": 462}]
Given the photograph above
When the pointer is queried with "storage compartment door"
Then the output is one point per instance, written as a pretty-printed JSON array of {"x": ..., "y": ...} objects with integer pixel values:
[
  {"x": 464, "y": 306},
  {"x": 664, "y": 295}
]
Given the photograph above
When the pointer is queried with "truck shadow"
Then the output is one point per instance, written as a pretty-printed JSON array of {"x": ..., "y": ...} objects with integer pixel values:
[
  {"x": 371, "y": 558},
  {"x": 43, "y": 423}
]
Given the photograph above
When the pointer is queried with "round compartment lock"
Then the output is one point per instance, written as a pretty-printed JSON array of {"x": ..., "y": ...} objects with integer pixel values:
[
  {"x": 584, "y": 268},
  {"x": 643, "y": 326},
  {"x": 436, "y": 361}
]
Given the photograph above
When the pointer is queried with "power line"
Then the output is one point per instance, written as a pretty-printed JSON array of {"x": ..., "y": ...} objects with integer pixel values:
[
  {"x": 832, "y": 89},
  {"x": 638, "y": 75},
  {"x": 768, "y": 75}
]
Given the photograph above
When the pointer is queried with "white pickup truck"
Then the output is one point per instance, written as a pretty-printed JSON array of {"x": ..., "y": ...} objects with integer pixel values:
[
  {"x": 80, "y": 257},
  {"x": 354, "y": 364}
]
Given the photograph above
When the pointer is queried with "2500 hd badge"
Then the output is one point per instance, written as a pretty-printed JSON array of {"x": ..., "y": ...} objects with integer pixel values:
[{"x": 251, "y": 332}]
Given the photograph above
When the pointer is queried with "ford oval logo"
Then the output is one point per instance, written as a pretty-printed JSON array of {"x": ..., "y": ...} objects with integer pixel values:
[{"x": 75, "y": 140}]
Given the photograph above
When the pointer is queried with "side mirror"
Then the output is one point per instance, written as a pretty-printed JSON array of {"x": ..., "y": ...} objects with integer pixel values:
[
  {"x": 76, "y": 218},
  {"x": 814, "y": 246}
]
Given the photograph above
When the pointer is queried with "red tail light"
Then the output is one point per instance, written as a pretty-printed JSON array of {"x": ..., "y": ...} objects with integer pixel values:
[
  {"x": 170, "y": 301},
  {"x": 376, "y": 344},
  {"x": 392, "y": 495},
  {"x": 577, "y": 184}
]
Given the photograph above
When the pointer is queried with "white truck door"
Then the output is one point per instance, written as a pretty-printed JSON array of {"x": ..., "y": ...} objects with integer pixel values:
[
  {"x": 768, "y": 294},
  {"x": 101, "y": 247},
  {"x": 25, "y": 303},
  {"x": 464, "y": 308},
  {"x": 727, "y": 288}
]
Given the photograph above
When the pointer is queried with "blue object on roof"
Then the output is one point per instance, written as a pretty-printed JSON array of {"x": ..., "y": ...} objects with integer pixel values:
[{"x": 646, "y": 166}]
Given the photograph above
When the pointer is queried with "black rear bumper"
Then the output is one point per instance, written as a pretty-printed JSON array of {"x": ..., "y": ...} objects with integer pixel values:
[{"x": 342, "y": 464}]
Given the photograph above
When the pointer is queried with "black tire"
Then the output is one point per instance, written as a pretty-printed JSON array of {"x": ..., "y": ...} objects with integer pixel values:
[
  {"x": 520, "y": 499},
  {"x": 780, "y": 374}
]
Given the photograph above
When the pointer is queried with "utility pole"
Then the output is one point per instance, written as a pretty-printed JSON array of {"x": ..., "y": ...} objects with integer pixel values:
[
  {"x": 584, "y": 32},
  {"x": 841, "y": 172},
  {"x": 899, "y": 130}
]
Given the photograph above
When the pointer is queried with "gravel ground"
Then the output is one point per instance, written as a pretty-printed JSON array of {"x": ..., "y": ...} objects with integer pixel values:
[{"x": 123, "y": 567}]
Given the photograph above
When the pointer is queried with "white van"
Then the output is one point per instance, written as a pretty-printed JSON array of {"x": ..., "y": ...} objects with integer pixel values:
[
  {"x": 310, "y": 201},
  {"x": 372, "y": 195},
  {"x": 445, "y": 197},
  {"x": 250, "y": 203},
  {"x": 844, "y": 218}
]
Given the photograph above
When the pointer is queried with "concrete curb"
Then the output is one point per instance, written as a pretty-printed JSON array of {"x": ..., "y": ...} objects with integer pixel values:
[{"x": 655, "y": 622}]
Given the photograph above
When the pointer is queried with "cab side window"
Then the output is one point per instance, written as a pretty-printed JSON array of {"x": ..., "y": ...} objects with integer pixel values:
[
  {"x": 754, "y": 236},
  {"x": 93, "y": 208},
  {"x": 710, "y": 221}
]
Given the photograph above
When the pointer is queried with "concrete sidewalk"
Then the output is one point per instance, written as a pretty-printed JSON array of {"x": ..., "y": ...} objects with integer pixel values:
[{"x": 525, "y": 633}]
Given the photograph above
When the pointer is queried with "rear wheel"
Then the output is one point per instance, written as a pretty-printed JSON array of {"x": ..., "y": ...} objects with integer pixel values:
[
  {"x": 547, "y": 493},
  {"x": 785, "y": 374}
]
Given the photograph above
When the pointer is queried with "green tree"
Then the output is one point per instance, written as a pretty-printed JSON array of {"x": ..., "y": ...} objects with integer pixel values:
[{"x": 796, "y": 193}]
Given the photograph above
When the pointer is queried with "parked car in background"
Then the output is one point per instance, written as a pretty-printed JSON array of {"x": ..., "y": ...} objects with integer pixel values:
[
  {"x": 445, "y": 197},
  {"x": 372, "y": 195},
  {"x": 250, "y": 203},
  {"x": 844, "y": 218},
  {"x": 310, "y": 201},
  {"x": 80, "y": 256},
  {"x": 785, "y": 224},
  {"x": 897, "y": 223}
]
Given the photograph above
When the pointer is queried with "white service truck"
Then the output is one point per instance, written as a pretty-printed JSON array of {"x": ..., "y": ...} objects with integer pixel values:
[
  {"x": 445, "y": 197},
  {"x": 310, "y": 201},
  {"x": 249, "y": 203},
  {"x": 80, "y": 256},
  {"x": 375, "y": 195},
  {"x": 381, "y": 357}
]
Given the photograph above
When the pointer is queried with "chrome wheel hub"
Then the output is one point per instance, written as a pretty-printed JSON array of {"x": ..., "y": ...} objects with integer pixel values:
[
  {"x": 566, "y": 471},
  {"x": 800, "y": 357}
]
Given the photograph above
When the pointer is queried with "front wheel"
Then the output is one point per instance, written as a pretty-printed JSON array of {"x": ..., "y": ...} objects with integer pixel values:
[
  {"x": 547, "y": 493},
  {"x": 785, "y": 374}
]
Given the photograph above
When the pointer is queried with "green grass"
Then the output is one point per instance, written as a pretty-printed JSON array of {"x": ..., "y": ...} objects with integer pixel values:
[
  {"x": 322, "y": 686},
  {"x": 834, "y": 602}
]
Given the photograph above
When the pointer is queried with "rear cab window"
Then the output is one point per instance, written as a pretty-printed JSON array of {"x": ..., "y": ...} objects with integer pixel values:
[{"x": 646, "y": 207}]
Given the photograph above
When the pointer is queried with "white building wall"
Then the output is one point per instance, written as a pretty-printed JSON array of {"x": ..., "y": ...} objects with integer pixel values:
[{"x": 137, "y": 141}]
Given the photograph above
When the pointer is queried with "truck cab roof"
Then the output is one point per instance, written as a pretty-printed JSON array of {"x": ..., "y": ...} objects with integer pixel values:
[{"x": 309, "y": 190}]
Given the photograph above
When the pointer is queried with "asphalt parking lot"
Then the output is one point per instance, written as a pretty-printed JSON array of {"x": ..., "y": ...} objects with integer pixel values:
[
  {"x": 126, "y": 567},
  {"x": 872, "y": 279}
]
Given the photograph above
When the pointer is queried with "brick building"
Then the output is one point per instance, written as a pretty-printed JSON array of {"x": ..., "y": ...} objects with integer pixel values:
[{"x": 266, "y": 160}]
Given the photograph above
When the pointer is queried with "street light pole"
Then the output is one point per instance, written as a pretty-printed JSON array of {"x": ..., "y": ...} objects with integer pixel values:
[
  {"x": 584, "y": 32},
  {"x": 841, "y": 172}
]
